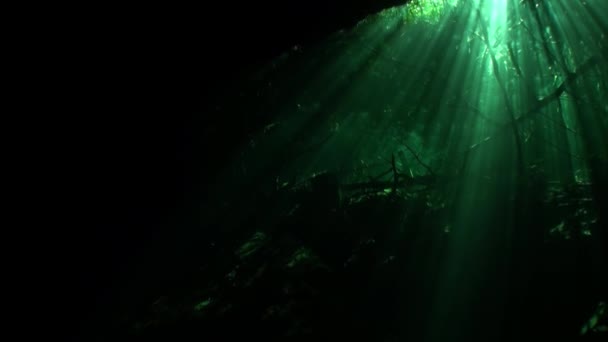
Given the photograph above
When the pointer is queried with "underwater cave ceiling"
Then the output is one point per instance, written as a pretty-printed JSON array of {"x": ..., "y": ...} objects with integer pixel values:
[{"x": 266, "y": 29}]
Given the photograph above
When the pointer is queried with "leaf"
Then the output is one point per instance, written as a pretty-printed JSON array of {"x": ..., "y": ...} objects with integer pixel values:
[{"x": 252, "y": 245}]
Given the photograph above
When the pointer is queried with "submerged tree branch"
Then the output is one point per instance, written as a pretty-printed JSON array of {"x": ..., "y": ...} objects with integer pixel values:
[
  {"x": 545, "y": 101},
  {"x": 427, "y": 167}
]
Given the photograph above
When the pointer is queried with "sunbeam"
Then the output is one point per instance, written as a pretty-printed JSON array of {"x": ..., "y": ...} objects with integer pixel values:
[{"x": 436, "y": 172}]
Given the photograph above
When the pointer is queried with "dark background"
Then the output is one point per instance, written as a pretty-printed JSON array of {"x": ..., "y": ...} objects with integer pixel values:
[{"x": 144, "y": 143}]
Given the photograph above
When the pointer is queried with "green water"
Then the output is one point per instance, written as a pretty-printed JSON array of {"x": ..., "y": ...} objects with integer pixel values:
[
  {"x": 478, "y": 128},
  {"x": 486, "y": 94}
]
